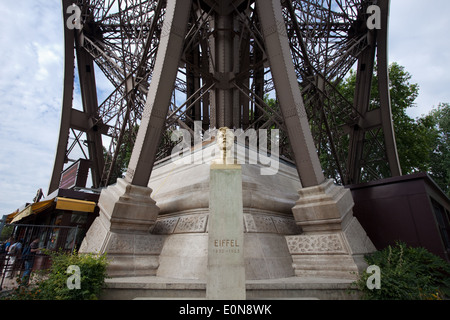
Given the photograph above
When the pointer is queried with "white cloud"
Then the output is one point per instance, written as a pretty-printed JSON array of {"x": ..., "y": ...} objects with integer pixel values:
[
  {"x": 31, "y": 57},
  {"x": 419, "y": 33}
]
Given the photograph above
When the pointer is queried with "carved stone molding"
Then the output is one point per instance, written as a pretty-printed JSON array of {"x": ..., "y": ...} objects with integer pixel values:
[
  {"x": 259, "y": 223},
  {"x": 165, "y": 226},
  {"x": 317, "y": 244},
  {"x": 198, "y": 223},
  {"x": 333, "y": 242},
  {"x": 192, "y": 223}
]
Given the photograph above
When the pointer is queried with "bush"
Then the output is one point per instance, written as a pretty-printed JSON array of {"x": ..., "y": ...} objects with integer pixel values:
[
  {"x": 53, "y": 285},
  {"x": 407, "y": 273}
]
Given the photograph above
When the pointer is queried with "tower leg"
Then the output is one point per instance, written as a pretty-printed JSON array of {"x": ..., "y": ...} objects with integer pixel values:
[
  {"x": 383, "y": 88},
  {"x": 127, "y": 211},
  {"x": 288, "y": 92},
  {"x": 160, "y": 92},
  {"x": 333, "y": 242}
]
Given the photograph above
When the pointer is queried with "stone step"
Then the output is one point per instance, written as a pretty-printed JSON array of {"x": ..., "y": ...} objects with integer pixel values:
[{"x": 294, "y": 288}]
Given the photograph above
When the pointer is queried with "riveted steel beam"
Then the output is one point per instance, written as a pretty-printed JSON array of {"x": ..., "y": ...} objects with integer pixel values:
[
  {"x": 288, "y": 91},
  {"x": 160, "y": 91}
]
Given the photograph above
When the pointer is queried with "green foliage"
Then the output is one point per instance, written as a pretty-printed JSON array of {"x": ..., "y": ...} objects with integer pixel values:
[
  {"x": 407, "y": 273},
  {"x": 440, "y": 157},
  {"x": 423, "y": 143},
  {"x": 415, "y": 137},
  {"x": 123, "y": 154},
  {"x": 6, "y": 232},
  {"x": 53, "y": 286},
  {"x": 270, "y": 108}
]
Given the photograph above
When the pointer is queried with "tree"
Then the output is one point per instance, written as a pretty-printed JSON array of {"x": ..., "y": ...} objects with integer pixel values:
[
  {"x": 415, "y": 138},
  {"x": 440, "y": 156},
  {"x": 423, "y": 143},
  {"x": 123, "y": 155}
]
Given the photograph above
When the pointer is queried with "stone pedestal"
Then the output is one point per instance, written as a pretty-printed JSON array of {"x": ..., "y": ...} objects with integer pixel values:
[
  {"x": 333, "y": 243},
  {"x": 182, "y": 192},
  {"x": 226, "y": 267},
  {"x": 122, "y": 228}
]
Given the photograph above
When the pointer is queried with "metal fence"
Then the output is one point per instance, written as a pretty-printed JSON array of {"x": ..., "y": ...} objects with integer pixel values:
[{"x": 13, "y": 263}]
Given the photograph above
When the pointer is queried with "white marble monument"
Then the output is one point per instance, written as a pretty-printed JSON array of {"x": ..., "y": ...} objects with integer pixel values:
[{"x": 226, "y": 266}]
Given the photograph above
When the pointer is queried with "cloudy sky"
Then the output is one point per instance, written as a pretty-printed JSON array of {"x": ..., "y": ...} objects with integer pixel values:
[{"x": 31, "y": 60}]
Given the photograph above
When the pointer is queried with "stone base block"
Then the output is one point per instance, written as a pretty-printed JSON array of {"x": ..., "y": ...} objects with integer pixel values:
[
  {"x": 128, "y": 254},
  {"x": 127, "y": 208},
  {"x": 184, "y": 256},
  {"x": 122, "y": 230},
  {"x": 324, "y": 207},
  {"x": 333, "y": 242},
  {"x": 266, "y": 255},
  {"x": 325, "y": 266},
  {"x": 132, "y": 265},
  {"x": 327, "y": 255}
]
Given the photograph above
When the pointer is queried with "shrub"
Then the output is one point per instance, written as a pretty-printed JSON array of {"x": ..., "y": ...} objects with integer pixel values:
[
  {"x": 407, "y": 273},
  {"x": 53, "y": 285}
]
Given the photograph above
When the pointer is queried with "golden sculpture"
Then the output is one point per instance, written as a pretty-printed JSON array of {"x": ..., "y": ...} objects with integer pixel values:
[{"x": 225, "y": 143}]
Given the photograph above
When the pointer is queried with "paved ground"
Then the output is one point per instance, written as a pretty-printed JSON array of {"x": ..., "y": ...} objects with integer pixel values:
[{"x": 9, "y": 284}]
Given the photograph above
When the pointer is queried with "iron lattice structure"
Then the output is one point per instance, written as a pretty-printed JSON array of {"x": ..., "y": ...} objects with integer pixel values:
[{"x": 119, "y": 39}]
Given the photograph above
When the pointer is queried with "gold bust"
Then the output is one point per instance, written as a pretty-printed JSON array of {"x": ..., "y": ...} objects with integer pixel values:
[{"x": 225, "y": 143}]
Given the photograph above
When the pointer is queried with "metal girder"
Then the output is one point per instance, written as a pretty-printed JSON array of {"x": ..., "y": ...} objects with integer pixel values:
[
  {"x": 159, "y": 94},
  {"x": 366, "y": 134},
  {"x": 362, "y": 105},
  {"x": 69, "y": 65},
  {"x": 88, "y": 91},
  {"x": 76, "y": 122},
  {"x": 226, "y": 69},
  {"x": 325, "y": 43},
  {"x": 289, "y": 95},
  {"x": 383, "y": 88}
]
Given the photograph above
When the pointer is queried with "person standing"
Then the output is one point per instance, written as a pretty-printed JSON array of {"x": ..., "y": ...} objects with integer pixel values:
[
  {"x": 14, "y": 251},
  {"x": 28, "y": 256}
]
